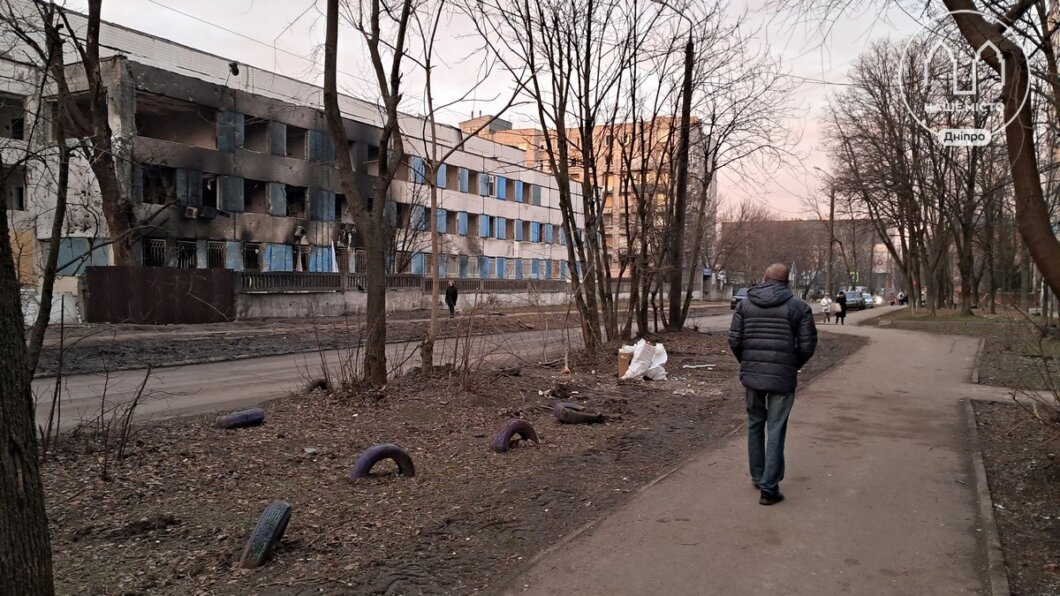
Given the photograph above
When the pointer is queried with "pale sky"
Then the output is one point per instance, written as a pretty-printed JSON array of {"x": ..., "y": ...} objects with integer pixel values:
[{"x": 285, "y": 35}]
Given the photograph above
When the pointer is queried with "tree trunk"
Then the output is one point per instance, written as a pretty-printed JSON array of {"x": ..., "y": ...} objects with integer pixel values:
[
  {"x": 375, "y": 312},
  {"x": 1032, "y": 213},
  {"x": 677, "y": 247},
  {"x": 25, "y": 551}
]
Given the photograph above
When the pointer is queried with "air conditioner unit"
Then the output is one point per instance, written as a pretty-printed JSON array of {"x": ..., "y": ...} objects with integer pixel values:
[{"x": 191, "y": 212}]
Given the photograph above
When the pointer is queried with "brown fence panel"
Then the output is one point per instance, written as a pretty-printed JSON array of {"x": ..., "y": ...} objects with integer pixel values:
[{"x": 160, "y": 295}]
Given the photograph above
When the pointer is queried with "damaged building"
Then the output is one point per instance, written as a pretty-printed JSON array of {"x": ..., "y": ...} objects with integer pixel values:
[{"x": 232, "y": 168}]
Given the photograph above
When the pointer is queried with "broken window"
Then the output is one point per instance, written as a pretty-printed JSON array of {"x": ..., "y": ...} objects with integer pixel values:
[
  {"x": 187, "y": 254},
  {"x": 12, "y": 114},
  {"x": 256, "y": 134},
  {"x": 209, "y": 190},
  {"x": 13, "y": 188},
  {"x": 255, "y": 196},
  {"x": 342, "y": 259},
  {"x": 296, "y": 201},
  {"x": 252, "y": 256},
  {"x": 301, "y": 258},
  {"x": 215, "y": 254},
  {"x": 296, "y": 142},
  {"x": 340, "y": 208},
  {"x": 168, "y": 119},
  {"x": 159, "y": 184},
  {"x": 154, "y": 252}
]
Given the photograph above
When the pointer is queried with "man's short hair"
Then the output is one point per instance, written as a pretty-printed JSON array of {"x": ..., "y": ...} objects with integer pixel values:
[{"x": 777, "y": 272}]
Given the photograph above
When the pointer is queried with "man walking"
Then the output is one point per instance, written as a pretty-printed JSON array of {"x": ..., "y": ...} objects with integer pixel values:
[
  {"x": 772, "y": 336},
  {"x": 450, "y": 298}
]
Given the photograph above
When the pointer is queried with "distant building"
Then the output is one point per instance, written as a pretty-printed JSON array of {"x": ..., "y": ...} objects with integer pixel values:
[
  {"x": 649, "y": 147},
  {"x": 236, "y": 164}
]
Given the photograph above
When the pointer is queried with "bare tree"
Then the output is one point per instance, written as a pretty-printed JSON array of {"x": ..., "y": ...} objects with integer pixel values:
[{"x": 384, "y": 26}]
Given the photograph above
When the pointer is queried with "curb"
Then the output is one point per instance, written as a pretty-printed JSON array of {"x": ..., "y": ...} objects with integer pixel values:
[
  {"x": 995, "y": 557},
  {"x": 978, "y": 359}
]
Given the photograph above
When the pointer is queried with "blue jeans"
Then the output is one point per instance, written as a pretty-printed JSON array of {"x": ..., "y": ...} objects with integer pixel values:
[{"x": 767, "y": 424}]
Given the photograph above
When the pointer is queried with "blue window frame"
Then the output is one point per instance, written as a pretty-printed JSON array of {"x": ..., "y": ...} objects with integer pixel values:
[
  {"x": 564, "y": 271},
  {"x": 562, "y": 236},
  {"x": 484, "y": 226},
  {"x": 535, "y": 269},
  {"x": 535, "y": 194},
  {"x": 461, "y": 223},
  {"x": 500, "y": 228},
  {"x": 500, "y": 267},
  {"x": 462, "y": 175},
  {"x": 548, "y": 269},
  {"x": 518, "y": 230},
  {"x": 483, "y": 184},
  {"x": 535, "y": 231},
  {"x": 484, "y": 267},
  {"x": 440, "y": 177},
  {"x": 518, "y": 191},
  {"x": 418, "y": 219},
  {"x": 442, "y": 215},
  {"x": 419, "y": 170},
  {"x": 462, "y": 259},
  {"x": 417, "y": 264},
  {"x": 547, "y": 232},
  {"x": 518, "y": 268},
  {"x": 502, "y": 188}
]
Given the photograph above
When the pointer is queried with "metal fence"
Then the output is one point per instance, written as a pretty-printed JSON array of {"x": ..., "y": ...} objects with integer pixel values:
[{"x": 286, "y": 281}]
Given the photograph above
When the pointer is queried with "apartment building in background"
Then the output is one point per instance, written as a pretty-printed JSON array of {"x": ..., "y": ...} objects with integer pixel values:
[
  {"x": 233, "y": 168},
  {"x": 630, "y": 153}
]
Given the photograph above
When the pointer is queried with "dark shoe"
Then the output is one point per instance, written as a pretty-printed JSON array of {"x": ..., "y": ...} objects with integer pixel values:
[{"x": 769, "y": 498}]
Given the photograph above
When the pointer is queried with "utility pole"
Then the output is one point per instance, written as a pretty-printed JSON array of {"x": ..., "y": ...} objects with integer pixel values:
[
  {"x": 677, "y": 238},
  {"x": 831, "y": 236}
]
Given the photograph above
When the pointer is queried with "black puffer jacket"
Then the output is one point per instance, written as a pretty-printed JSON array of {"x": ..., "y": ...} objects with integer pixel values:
[{"x": 772, "y": 335}]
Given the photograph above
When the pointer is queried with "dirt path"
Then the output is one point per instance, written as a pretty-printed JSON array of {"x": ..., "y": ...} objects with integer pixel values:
[{"x": 879, "y": 495}]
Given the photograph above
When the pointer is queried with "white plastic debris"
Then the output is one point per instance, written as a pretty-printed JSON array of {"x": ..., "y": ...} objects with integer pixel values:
[{"x": 648, "y": 361}]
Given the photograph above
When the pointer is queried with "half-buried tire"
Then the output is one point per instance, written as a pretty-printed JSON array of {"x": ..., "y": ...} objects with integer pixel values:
[
  {"x": 377, "y": 453},
  {"x": 244, "y": 418},
  {"x": 271, "y": 526},
  {"x": 571, "y": 413},
  {"x": 514, "y": 428}
]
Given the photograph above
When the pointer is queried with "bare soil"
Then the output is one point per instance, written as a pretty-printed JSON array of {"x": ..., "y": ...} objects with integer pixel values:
[
  {"x": 176, "y": 511},
  {"x": 100, "y": 347},
  {"x": 1023, "y": 472}
]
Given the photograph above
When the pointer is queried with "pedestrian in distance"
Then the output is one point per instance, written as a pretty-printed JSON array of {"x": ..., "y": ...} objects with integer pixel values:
[
  {"x": 841, "y": 316},
  {"x": 773, "y": 335},
  {"x": 450, "y": 298},
  {"x": 826, "y": 308}
]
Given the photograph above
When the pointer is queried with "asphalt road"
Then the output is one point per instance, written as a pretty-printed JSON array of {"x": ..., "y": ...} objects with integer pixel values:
[{"x": 196, "y": 388}]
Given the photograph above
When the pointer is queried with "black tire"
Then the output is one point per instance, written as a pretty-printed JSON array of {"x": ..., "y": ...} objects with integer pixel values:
[
  {"x": 377, "y": 453},
  {"x": 241, "y": 419},
  {"x": 518, "y": 427},
  {"x": 321, "y": 384},
  {"x": 270, "y": 528},
  {"x": 571, "y": 413}
]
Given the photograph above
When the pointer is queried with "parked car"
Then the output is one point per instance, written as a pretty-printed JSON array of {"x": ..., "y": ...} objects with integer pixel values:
[
  {"x": 869, "y": 301},
  {"x": 737, "y": 297},
  {"x": 855, "y": 301}
]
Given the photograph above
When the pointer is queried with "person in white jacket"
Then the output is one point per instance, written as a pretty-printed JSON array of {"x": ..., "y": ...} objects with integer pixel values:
[{"x": 826, "y": 308}]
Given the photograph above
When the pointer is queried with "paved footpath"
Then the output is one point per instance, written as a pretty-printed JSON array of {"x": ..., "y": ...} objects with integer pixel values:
[{"x": 880, "y": 497}]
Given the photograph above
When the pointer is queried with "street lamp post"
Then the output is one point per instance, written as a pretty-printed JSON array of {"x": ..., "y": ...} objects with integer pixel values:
[
  {"x": 831, "y": 228},
  {"x": 677, "y": 235}
]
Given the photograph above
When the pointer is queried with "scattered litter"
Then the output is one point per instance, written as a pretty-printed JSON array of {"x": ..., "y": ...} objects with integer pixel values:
[
  {"x": 647, "y": 362},
  {"x": 310, "y": 450},
  {"x": 699, "y": 366}
]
